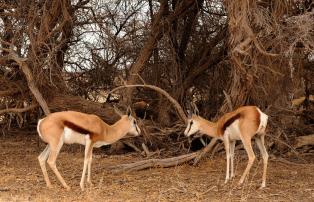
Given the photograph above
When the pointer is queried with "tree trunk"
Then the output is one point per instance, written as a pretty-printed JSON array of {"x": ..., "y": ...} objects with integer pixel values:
[
  {"x": 146, "y": 51},
  {"x": 30, "y": 81},
  {"x": 160, "y": 26}
]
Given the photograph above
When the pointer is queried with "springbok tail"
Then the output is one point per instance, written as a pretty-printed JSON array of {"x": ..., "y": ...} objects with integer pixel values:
[{"x": 38, "y": 130}]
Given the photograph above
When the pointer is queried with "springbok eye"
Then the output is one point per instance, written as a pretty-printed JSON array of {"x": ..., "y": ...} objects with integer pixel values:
[
  {"x": 191, "y": 122},
  {"x": 134, "y": 122}
]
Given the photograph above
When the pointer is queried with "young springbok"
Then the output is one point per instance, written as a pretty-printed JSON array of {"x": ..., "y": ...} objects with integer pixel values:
[
  {"x": 74, "y": 127},
  {"x": 242, "y": 124}
]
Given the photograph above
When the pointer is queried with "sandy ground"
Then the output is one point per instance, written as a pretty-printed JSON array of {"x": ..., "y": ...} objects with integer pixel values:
[{"x": 21, "y": 178}]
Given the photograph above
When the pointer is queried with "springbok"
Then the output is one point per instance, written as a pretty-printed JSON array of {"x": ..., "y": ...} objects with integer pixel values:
[
  {"x": 74, "y": 127},
  {"x": 243, "y": 124}
]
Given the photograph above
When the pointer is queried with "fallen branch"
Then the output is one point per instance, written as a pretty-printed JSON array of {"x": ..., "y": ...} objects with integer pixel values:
[
  {"x": 149, "y": 163},
  {"x": 304, "y": 140},
  {"x": 207, "y": 149},
  {"x": 132, "y": 146},
  {"x": 284, "y": 143},
  {"x": 18, "y": 110},
  {"x": 285, "y": 161},
  {"x": 147, "y": 152},
  {"x": 216, "y": 149}
]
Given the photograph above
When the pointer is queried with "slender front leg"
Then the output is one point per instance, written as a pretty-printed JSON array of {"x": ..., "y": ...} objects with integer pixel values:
[
  {"x": 90, "y": 158},
  {"x": 87, "y": 148},
  {"x": 227, "y": 148},
  {"x": 232, "y": 146}
]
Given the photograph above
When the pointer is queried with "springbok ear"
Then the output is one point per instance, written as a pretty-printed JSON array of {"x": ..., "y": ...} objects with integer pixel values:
[
  {"x": 129, "y": 111},
  {"x": 189, "y": 114}
]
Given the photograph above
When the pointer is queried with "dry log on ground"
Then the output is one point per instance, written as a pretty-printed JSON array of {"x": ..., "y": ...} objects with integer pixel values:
[
  {"x": 207, "y": 149},
  {"x": 304, "y": 140},
  {"x": 149, "y": 163}
]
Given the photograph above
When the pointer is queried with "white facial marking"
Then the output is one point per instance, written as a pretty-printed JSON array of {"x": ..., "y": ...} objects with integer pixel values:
[
  {"x": 233, "y": 131},
  {"x": 134, "y": 130},
  {"x": 192, "y": 127}
]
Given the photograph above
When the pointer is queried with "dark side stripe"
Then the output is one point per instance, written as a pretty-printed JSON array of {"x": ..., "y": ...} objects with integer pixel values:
[
  {"x": 229, "y": 122},
  {"x": 76, "y": 128}
]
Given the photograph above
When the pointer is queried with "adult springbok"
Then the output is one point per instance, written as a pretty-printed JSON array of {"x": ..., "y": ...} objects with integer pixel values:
[
  {"x": 74, "y": 127},
  {"x": 242, "y": 124}
]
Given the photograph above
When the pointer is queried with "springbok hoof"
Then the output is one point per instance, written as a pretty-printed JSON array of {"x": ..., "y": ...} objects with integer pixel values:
[
  {"x": 262, "y": 186},
  {"x": 240, "y": 183},
  {"x": 67, "y": 187},
  {"x": 82, "y": 187}
]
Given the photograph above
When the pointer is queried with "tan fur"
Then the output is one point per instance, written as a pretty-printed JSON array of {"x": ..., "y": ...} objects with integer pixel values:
[
  {"x": 248, "y": 120},
  {"x": 248, "y": 115},
  {"x": 206, "y": 127},
  {"x": 52, "y": 128}
]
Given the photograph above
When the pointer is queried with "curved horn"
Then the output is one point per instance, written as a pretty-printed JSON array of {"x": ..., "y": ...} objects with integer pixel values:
[
  {"x": 117, "y": 110},
  {"x": 129, "y": 111},
  {"x": 189, "y": 113},
  {"x": 195, "y": 109}
]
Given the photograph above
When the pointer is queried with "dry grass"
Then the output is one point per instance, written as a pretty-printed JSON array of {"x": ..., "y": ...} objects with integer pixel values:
[{"x": 21, "y": 179}]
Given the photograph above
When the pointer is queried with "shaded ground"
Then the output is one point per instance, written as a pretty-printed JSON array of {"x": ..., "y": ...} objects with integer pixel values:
[{"x": 21, "y": 178}]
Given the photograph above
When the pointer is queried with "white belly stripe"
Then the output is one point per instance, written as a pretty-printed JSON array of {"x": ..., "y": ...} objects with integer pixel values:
[
  {"x": 71, "y": 136},
  {"x": 233, "y": 131}
]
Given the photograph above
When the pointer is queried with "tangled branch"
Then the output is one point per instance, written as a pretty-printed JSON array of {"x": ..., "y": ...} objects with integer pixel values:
[{"x": 18, "y": 110}]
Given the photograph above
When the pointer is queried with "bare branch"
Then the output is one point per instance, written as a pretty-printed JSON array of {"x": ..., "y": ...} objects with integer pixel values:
[
  {"x": 30, "y": 80},
  {"x": 207, "y": 149},
  {"x": 18, "y": 110},
  {"x": 228, "y": 100}
]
